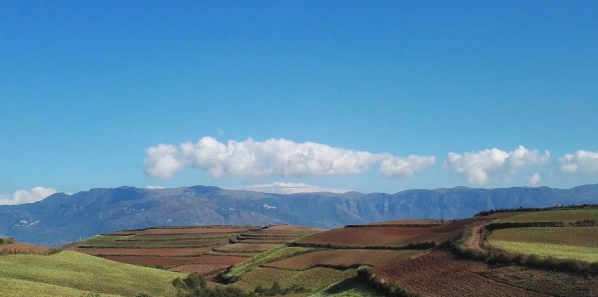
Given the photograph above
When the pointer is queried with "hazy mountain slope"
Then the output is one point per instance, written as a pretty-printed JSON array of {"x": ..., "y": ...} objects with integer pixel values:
[{"x": 62, "y": 218}]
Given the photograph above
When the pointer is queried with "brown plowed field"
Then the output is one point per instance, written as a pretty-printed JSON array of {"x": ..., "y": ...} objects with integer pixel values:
[
  {"x": 344, "y": 258},
  {"x": 440, "y": 274},
  {"x": 202, "y": 269},
  {"x": 190, "y": 230},
  {"x": 244, "y": 248},
  {"x": 142, "y": 252},
  {"x": 291, "y": 228},
  {"x": 24, "y": 248},
  {"x": 210, "y": 259},
  {"x": 366, "y": 237},
  {"x": 150, "y": 261},
  {"x": 408, "y": 223}
]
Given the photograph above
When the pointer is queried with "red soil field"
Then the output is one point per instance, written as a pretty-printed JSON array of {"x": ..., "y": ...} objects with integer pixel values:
[
  {"x": 24, "y": 248},
  {"x": 244, "y": 248},
  {"x": 407, "y": 223},
  {"x": 143, "y": 252},
  {"x": 202, "y": 269},
  {"x": 291, "y": 228},
  {"x": 440, "y": 274},
  {"x": 344, "y": 258},
  {"x": 150, "y": 261},
  {"x": 191, "y": 230},
  {"x": 210, "y": 259},
  {"x": 366, "y": 237}
]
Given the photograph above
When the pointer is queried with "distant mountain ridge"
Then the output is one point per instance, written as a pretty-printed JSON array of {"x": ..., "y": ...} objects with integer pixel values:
[{"x": 62, "y": 218}]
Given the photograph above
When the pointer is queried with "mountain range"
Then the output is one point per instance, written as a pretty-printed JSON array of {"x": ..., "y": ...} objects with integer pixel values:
[{"x": 61, "y": 218}]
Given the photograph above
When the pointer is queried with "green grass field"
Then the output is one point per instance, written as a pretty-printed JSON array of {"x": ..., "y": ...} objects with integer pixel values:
[
  {"x": 275, "y": 254},
  {"x": 75, "y": 272},
  {"x": 575, "y": 236},
  {"x": 545, "y": 250},
  {"x": 565, "y": 215},
  {"x": 22, "y": 288}
]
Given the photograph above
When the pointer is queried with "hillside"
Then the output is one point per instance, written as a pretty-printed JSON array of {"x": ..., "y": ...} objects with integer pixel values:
[
  {"x": 520, "y": 252},
  {"x": 70, "y": 273},
  {"x": 61, "y": 218}
]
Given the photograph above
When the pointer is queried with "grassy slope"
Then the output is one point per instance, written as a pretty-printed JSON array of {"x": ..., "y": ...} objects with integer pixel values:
[
  {"x": 22, "y": 288},
  {"x": 83, "y": 272},
  {"x": 567, "y": 215},
  {"x": 586, "y": 254},
  {"x": 576, "y": 236}
]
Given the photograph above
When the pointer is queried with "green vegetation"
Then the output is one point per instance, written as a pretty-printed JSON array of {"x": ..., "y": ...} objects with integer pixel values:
[
  {"x": 23, "y": 288},
  {"x": 312, "y": 279},
  {"x": 565, "y": 215},
  {"x": 6, "y": 240},
  {"x": 574, "y": 236},
  {"x": 275, "y": 254},
  {"x": 351, "y": 287},
  {"x": 72, "y": 270},
  {"x": 545, "y": 250},
  {"x": 153, "y": 241},
  {"x": 196, "y": 286}
]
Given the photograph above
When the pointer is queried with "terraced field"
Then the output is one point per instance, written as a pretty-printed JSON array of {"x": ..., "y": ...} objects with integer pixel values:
[
  {"x": 558, "y": 215},
  {"x": 343, "y": 259},
  {"x": 313, "y": 279},
  {"x": 441, "y": 274},
  {"x": 392, "y": 235},
  {"x": 545, "y": 250},
  {"x": 374, "y": 236},
  {"x": 574, "y": 236},
  {"x": 207, "y": 250}
]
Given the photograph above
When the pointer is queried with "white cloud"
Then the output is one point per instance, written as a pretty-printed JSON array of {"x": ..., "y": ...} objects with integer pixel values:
[
  {"x": 534, "y": 180},
  {"x": 274, "y": 157},
  {"x": 406, "y": 167},
  {"x": 26, "y": 196},
  {"x": 483, "y": 166},
  {"x": 290, "y": 188},
  {"x": 580, "y": 162}
]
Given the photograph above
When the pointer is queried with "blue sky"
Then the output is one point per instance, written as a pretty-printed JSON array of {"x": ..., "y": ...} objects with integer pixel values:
[{"x": 88, "y": 88}]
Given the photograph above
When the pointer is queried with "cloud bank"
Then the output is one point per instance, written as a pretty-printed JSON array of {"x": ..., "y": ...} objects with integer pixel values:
[
  {"x": 290, "y": 188},
  {"x": 585, "y": 162},
  {"x": 484, "y": 166},
  {"x": 26, "y": 196},
  {"x": 274, "y": 157}
]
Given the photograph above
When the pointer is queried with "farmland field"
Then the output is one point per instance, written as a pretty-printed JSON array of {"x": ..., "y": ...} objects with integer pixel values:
[
  {"x": 440, "y": 274},
  {"x": 545, "y": 250},
  {"x": 313, "y": 279},
  {"x": 576, "y": 236},
  {"x": 366, "y": 236},
  {"x": 553, "y": 283},
  {"x": 561, "y": 215},
  {"x": 24, "y": 248},
  {"x": 83, "y": 272},
  {"x": 344, "y": 258},
  {"x": 177, "y": 252},
  {"x": 278, "y": 253}
]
